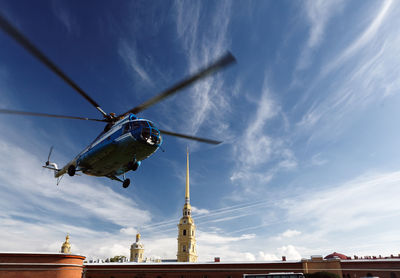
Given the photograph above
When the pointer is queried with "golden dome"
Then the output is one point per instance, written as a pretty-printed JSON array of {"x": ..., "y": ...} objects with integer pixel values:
[{"x": 66, "y": 246}]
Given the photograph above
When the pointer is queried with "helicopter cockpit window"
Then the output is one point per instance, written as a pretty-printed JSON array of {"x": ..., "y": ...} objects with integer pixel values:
[
  {"x": 135, "y": 125},
  {"x": 126, "y": 128}
]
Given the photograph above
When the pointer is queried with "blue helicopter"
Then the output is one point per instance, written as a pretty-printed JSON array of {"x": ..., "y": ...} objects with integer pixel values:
[{"x": 126, "y": 139}]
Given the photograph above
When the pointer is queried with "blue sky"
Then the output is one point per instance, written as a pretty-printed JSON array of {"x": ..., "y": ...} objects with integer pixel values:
[{"x": 308, "y": 116}]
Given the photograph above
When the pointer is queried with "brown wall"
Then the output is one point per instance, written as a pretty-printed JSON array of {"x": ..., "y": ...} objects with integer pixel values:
[
  {"x": 26, "y": 265},
  {"x": 346, "y": 269},
  {"x": 387, "y": 268},
  {"x": 187, "y": 270}
]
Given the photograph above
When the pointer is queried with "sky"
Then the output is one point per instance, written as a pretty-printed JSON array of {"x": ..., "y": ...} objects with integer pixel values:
[{"x": 308, "y": 117}]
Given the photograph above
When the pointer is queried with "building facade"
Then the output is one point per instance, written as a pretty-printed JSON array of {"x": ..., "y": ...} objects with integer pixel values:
[{"x": 186, "y": 228}]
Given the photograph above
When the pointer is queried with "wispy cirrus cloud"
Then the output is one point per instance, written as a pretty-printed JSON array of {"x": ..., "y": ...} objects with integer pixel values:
[
  {"x": 128, "y": 54},
  {"x": 318, "y": 14},
  {"x": 209, "y": 100},
  {"x": 66, "y": 18},
  {"x": 361, "y": 41},
  {"x": 365, "y": 195},
  {"x": 367, "y": 74},
  {"x": 258, "y": 147},
  {"x": 365, "y": 203}
]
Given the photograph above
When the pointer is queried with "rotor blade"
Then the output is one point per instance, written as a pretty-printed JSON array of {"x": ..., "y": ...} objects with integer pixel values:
[
  {"x": 24, "y": 42},
  {"x": 51, "y": 150},
  {"x": 208, "y": 141},
  {"x": 224, "y": 61},
  {"x": 6, "y": 111}
]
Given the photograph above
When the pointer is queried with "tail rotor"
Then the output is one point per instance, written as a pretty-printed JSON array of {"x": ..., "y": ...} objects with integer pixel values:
[
  {"x": 48, "y": 158},
  {"x": 48, "y": 164}
]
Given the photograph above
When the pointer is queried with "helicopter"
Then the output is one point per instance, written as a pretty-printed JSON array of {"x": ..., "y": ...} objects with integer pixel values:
[{"x": 126, "y": 139}]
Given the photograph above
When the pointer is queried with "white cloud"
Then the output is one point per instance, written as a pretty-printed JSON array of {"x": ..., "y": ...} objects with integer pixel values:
[
  {"x": 129, "y": 231},
  {"x": 212, "y": 245},
  {"x": 128, "y": 54},
  {"x": 290, "y": 233},
  {"x": 362, "y": 203},
  {"x": 261, "y": 256},
  {"x": 318, "y": 13},
  {"x": 290, "y": 252},
  {"x": 257, "y": 147},
  {"x": 62, "y": 13},
  {"x": 213, "y": 238},
  {"x": 369, "y": 33},
  {"x": 199, "y": 211},
  {"x": 318, "y": 160},
  {"x": 209, "y": 100},
  {"x": 368, "y": 75}
]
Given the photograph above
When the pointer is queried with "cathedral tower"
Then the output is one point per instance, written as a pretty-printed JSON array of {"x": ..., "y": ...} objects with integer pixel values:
[
  {"x": 186, "y": 227},
  {"x": 66, "y": 247},
  {"x": 137, "y": 250}
]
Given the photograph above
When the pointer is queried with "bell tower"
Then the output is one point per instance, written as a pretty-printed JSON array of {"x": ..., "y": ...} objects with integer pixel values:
[
  {"x": 66, "y": 246},
  {"x": 137, "y": 250},
  {"x": 186, "y": 227}
]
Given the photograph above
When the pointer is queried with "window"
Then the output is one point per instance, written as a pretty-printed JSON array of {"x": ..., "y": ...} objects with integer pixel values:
[
  {"x": 192, "y": 233},
  {"x": 126, "y": 128},
  {"x": 184, "y": 232},
  {"x": 184, "y": 248}
]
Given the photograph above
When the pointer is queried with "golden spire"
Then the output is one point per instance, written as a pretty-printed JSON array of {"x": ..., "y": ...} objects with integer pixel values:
[
  {"x": 137, "y": 237},
  {"x": 187, "y": 195},
  {"x": 187, "y": 229}
]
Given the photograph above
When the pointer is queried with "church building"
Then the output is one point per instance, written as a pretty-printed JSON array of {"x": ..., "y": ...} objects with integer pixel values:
[{"x": 186, "y": 228}]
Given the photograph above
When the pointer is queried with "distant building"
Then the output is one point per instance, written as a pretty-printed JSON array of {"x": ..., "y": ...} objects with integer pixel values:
[
  {"x": 137, "y": 250},
  {"x": 186, "y": 228},
  {"x": 66, "y": 246}
]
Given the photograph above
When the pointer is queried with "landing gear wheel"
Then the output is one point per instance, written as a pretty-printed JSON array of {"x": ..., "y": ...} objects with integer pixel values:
[
  {"x": 126, "y": 183},
  {"x": 71, "y": 170}
]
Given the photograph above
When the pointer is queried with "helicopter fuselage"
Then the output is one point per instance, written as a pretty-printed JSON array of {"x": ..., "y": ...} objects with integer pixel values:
[{"x": 118, "y": 149}]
